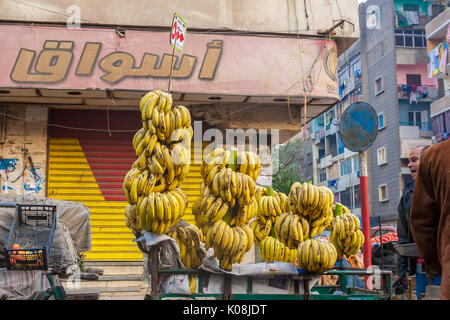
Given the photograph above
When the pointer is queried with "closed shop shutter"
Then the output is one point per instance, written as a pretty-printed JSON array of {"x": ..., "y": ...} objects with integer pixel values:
[{"x": 88, "y": 166}]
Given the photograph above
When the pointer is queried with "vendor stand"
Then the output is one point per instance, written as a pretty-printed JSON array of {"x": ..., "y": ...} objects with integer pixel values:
[
  {"x": 258, "y": 281},
  {"x": 68, "y": 236}
]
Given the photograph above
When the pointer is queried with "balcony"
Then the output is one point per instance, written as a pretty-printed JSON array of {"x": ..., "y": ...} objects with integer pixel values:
[
  {"x": 421, "y": 126},
  {"x": 436, "y": 29},
  {"x": 423, "y": 93},
  {"x": 440, "y": 105}
]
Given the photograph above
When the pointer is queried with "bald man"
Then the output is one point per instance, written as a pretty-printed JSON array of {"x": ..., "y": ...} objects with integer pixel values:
[
  {"x": 430, "y": 212},
  {"x": 406, "y": 265}
]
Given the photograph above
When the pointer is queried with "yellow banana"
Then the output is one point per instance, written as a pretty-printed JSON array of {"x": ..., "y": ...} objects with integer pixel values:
[
  {"x": 137, "y": 138},
  {"x": 151, "y": 214},
  {"x": 159, "y": 206}
]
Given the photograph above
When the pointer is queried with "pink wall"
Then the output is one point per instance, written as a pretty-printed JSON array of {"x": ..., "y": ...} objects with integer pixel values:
[{"x": 420, "y": 68}]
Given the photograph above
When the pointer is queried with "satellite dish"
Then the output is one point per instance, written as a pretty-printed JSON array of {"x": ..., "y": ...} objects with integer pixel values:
[{"x": 358, "y": 127}]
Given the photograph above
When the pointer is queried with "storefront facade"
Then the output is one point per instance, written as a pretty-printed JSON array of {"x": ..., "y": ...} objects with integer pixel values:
[{"x": 70, "y": 100}]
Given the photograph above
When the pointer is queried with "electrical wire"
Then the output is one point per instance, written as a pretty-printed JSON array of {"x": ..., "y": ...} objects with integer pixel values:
[
  {"x": 108, "y": 130},
  {"x": 204, "y": 31}
]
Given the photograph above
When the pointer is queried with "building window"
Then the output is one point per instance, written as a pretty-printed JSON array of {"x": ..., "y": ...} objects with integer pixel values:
[
  {"x": 381, "y": 124},
  {"x": 381, "y": 156},
  {"x": 378, "y": 85},
  {"x": 355, "y": 164},
  {"x": 411, "y": 7},
  {"x": 413, "y": 80},
  {"x": 414, "y": 38},
  {"x": 382, "y": 193},
  {"x": 355, "y": 67},
  {"x": 346, "y": 167},
  {"x": 345, "y": 197},
  {"x": 357, "y": 196},
  {"x": 418, "y": 118},
  {"x": 322, "y": 175}
]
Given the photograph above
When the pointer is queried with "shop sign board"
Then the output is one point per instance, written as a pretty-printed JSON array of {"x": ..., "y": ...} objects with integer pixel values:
[{"x": 100, "y": 58}]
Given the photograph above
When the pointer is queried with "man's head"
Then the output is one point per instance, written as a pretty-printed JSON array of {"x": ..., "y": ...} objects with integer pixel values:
[{"x": 414, "y": 159}]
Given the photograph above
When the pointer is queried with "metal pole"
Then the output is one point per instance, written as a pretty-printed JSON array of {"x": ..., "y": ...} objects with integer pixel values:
[
  {"x": 171, "y": 67},
  {"x": 365, "y": 217},
  {"x": 381, "y": 242},
  {"x": 304, "y": 118}
]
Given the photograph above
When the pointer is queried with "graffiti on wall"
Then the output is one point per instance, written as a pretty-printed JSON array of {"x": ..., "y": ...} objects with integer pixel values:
[{"x": 12, "y": 170}]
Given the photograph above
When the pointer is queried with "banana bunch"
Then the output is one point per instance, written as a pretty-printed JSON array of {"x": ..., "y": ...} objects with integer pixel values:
[
  {"x": 321, "y": 222},
  {"x": 189, "y": 239},
  {"x": 270, "y": 207},
  {"x": 316, "y": 255},
  {"x": 162, "y": 149},
  {"x": 208, "y": 208},
  {"x": 308, "y": 199},
  {"x": 227, "y": 204},
  {"x": 232, "y": 186},
  {"x": 244, "y": 213},
  {"x": 260, "y": 191},
  {"x": 230, "y": 244},
  {"x": 169, "y": 164},
  {"x": 248, "y": 163},
  {"x": 312, "y": 201},
  {"x": 274, "y": 250},
  {"x": 161, "y": 118},
  {"x": 291, "y": 229},
  {"x": 345, "y": 234},
  {"x": 132, "y": 219},
  {"x": 261, "y": 230},
  {"x": 159, "y": 211}
]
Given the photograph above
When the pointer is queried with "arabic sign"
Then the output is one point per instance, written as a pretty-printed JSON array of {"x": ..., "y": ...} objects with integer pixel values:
[
  {"x": 178, "y": 33},
  {"x": 85, "y": 58}
]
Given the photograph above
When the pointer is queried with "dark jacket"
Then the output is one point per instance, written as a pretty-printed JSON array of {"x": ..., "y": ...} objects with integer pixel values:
[
  {"x": 404, "y": 231},
  {"x": 430, "y": 211}
]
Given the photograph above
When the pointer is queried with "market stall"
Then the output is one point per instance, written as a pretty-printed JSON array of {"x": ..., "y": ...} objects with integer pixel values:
[
  {"x": 41, "y": 240},
  {"x": 232, "y": 215}
]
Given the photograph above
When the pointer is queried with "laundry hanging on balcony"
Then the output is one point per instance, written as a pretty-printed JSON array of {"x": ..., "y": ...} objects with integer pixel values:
[
  {"x": 413, "y": 96},
  {"x": 413, "y": 92},
  {"x": 406, "y": 18}
]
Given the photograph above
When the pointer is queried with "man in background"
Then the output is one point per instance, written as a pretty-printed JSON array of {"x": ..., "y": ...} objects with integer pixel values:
[
  {"x": 406, "y": 265},
  {"x": 430, "y": 212}
]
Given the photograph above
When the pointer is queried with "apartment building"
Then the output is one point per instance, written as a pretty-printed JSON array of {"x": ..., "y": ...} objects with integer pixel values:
[
  {"x": 395, "y": 82},
  {"x": 333, "y": 165},
  {"x": 438, "y": 38}
]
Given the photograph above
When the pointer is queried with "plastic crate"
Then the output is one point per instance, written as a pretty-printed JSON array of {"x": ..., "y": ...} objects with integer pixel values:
[{"x": 32, "y": 229}]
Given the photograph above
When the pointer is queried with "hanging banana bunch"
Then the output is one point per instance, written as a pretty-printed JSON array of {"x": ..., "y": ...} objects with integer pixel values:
[
  {"x": 345, "y": 233},
  {"x": 314, "y": 203},
  {"x": 274, "y": 250},
  {"x": 227, "y": 203},
  {"x": 162, "y": 145},
  {"x": 230, "y": 244},
  {"x": 271, "y": 205},
  {"x": 316, "y": 255},
  {"x": 291, "y": 229},
  {"x": 189, "y": 239}
]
